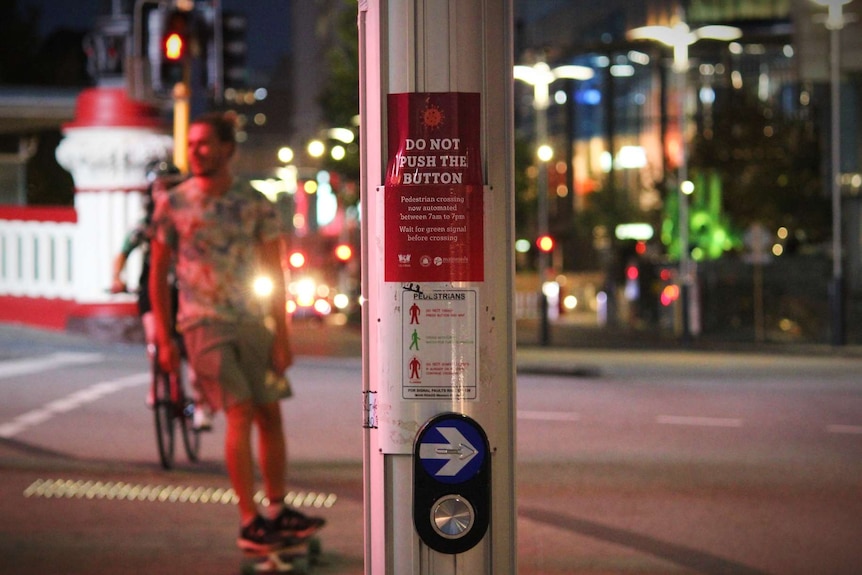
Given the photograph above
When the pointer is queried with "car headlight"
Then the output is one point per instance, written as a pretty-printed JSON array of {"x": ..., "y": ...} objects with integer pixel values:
[
  {"x": 305, "y": 292},
  {"x": 322, "y": 307}
]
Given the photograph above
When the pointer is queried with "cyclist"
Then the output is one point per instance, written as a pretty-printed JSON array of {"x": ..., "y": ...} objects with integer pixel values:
[{"x": 160, "y": 176}]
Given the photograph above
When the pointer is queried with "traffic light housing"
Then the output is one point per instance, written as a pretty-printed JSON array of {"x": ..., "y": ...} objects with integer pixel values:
[
  {"x": 175, "y": 48},
  {"x": 107, "y": 50},
  {"x": 234, "y": 48},
  {"x": 175, "y": 42}
]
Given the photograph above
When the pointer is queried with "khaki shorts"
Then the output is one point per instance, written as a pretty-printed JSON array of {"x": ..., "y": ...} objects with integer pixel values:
[{"x": 230, "y": 362}]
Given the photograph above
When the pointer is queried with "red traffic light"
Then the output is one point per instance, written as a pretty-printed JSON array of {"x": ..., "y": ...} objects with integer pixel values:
[
  {"x": 545, "y": 243},
  {"x": 296, "y": 259},
  {"x": 175, "y": 46},
  {"x": 343, "y": 252},
  {"x": 175, "y": 39}
]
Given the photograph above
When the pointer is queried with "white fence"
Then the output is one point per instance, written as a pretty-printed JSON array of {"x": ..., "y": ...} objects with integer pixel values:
[{"x": 36, "y": 252}]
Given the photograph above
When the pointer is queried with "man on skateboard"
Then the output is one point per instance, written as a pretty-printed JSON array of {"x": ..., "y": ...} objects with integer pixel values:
[{"x": 223, "y": 235}]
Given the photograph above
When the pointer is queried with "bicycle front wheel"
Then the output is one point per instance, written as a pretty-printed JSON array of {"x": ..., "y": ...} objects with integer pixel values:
[{"x": 165, "y": 414}]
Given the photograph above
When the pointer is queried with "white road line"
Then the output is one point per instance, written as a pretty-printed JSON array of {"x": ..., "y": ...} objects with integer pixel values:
[
  {"x": 72, "y": 401},
  {"x": 845, "y": 429},
  {"x": 698, "y": 421},
  {"x": 548, "y": 415},
  {"x": 53, "y": 361}
]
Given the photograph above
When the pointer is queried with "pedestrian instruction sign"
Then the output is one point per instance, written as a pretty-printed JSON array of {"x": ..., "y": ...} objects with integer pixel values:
[{"x": 439, "y": 347}]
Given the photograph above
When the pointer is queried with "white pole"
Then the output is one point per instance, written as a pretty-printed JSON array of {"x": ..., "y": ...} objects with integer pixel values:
[
  {"x": 419, "y": 52},
  {"x": 542, "y": 191},
  {"x": 680, "y": 37},
  {"x": 838, "y": 336},
  {"x": 681, "y": 69}
]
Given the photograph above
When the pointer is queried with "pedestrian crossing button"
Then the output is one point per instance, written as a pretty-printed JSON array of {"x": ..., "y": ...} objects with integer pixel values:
[{"x": 452, "y": 516}]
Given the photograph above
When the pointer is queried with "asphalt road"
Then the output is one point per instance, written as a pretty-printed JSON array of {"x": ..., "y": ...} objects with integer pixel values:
[{"x": 634, "y": 461}]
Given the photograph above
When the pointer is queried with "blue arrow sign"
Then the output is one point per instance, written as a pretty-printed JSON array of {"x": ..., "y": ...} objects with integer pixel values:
[{"x": 452, "y": 449}]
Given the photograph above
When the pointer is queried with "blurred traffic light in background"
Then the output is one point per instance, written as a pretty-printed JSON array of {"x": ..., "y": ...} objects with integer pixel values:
[
  {"x": 190, "y": 42},
  {"x": 296, "y": 259},
  {"x": 343, "y": 252},
  {"x": 175, "y": 48},
  {"x": 106, "y": 50},
  {"x": 545, "y": 243},
  {"x": 234, "y": 50}
]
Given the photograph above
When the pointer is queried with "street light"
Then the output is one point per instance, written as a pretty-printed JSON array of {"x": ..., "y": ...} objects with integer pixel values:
[
  {"x": 680, "y": 37},
  {"x": 285, "y": 154},
  {"x": 316, "y": 148},
  {"x": 834, "y": 23},
  {"x": 540, "y": 76}
]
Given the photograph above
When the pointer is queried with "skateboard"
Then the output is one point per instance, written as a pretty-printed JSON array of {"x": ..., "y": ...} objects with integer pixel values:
[{"x": 298, "y": 558}]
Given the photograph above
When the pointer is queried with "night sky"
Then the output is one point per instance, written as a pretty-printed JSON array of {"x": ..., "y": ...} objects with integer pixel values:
[{"x": 268, "y": 22}]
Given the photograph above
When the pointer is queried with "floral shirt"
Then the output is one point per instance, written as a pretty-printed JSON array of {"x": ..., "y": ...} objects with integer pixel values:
[{"x": 215, "y": 241}]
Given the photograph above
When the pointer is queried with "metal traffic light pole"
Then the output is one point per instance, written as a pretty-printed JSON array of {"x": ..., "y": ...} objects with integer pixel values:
[
  {"x": 150, "y": 55},
  {"x": 182, "y": 98},
  {"x": 437, "y": 200},
  {"x": 181, "y": 94}
]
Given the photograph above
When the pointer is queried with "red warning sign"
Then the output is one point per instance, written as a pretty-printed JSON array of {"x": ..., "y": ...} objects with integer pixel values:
[{"x": 434, "y": 206}]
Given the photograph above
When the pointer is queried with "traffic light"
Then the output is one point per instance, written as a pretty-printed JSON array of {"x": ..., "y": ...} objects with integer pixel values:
[
  {"x": 208, "y": 36},
  {"x": 234, "y": 50},
  {"x": 545, "y": 243},
  {"x": 343, "y": 252},
  {"x": 296, "y": 259},
  {"x": 106, "y": 49},
  {"x": 175, "y": 48}
]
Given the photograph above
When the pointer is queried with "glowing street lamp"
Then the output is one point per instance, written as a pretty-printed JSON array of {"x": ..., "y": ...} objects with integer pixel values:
[
  {"x": 680, "y": 37},
  {"x": 315, "y": 148},
  {"x": 343, "y": 135},
  {"x": 835, "y": 16},
  {"x": 540, "y": 76},
  {"x": 834, "y": 23},
  {"x": 285, "y": 155},
  {"x": 545, "y": 153}
]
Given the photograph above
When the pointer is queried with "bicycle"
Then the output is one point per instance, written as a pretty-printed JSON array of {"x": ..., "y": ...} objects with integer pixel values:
[{"x": 172, "y": 409}]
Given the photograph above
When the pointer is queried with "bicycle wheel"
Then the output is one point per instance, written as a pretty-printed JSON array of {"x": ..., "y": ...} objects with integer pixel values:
[
  {"x": 191, "y": 436},
  {"x": 165, "y": 413}
]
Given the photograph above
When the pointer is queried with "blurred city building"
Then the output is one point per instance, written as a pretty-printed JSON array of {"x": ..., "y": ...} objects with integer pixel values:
[{"x": 757, "y": 137}]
